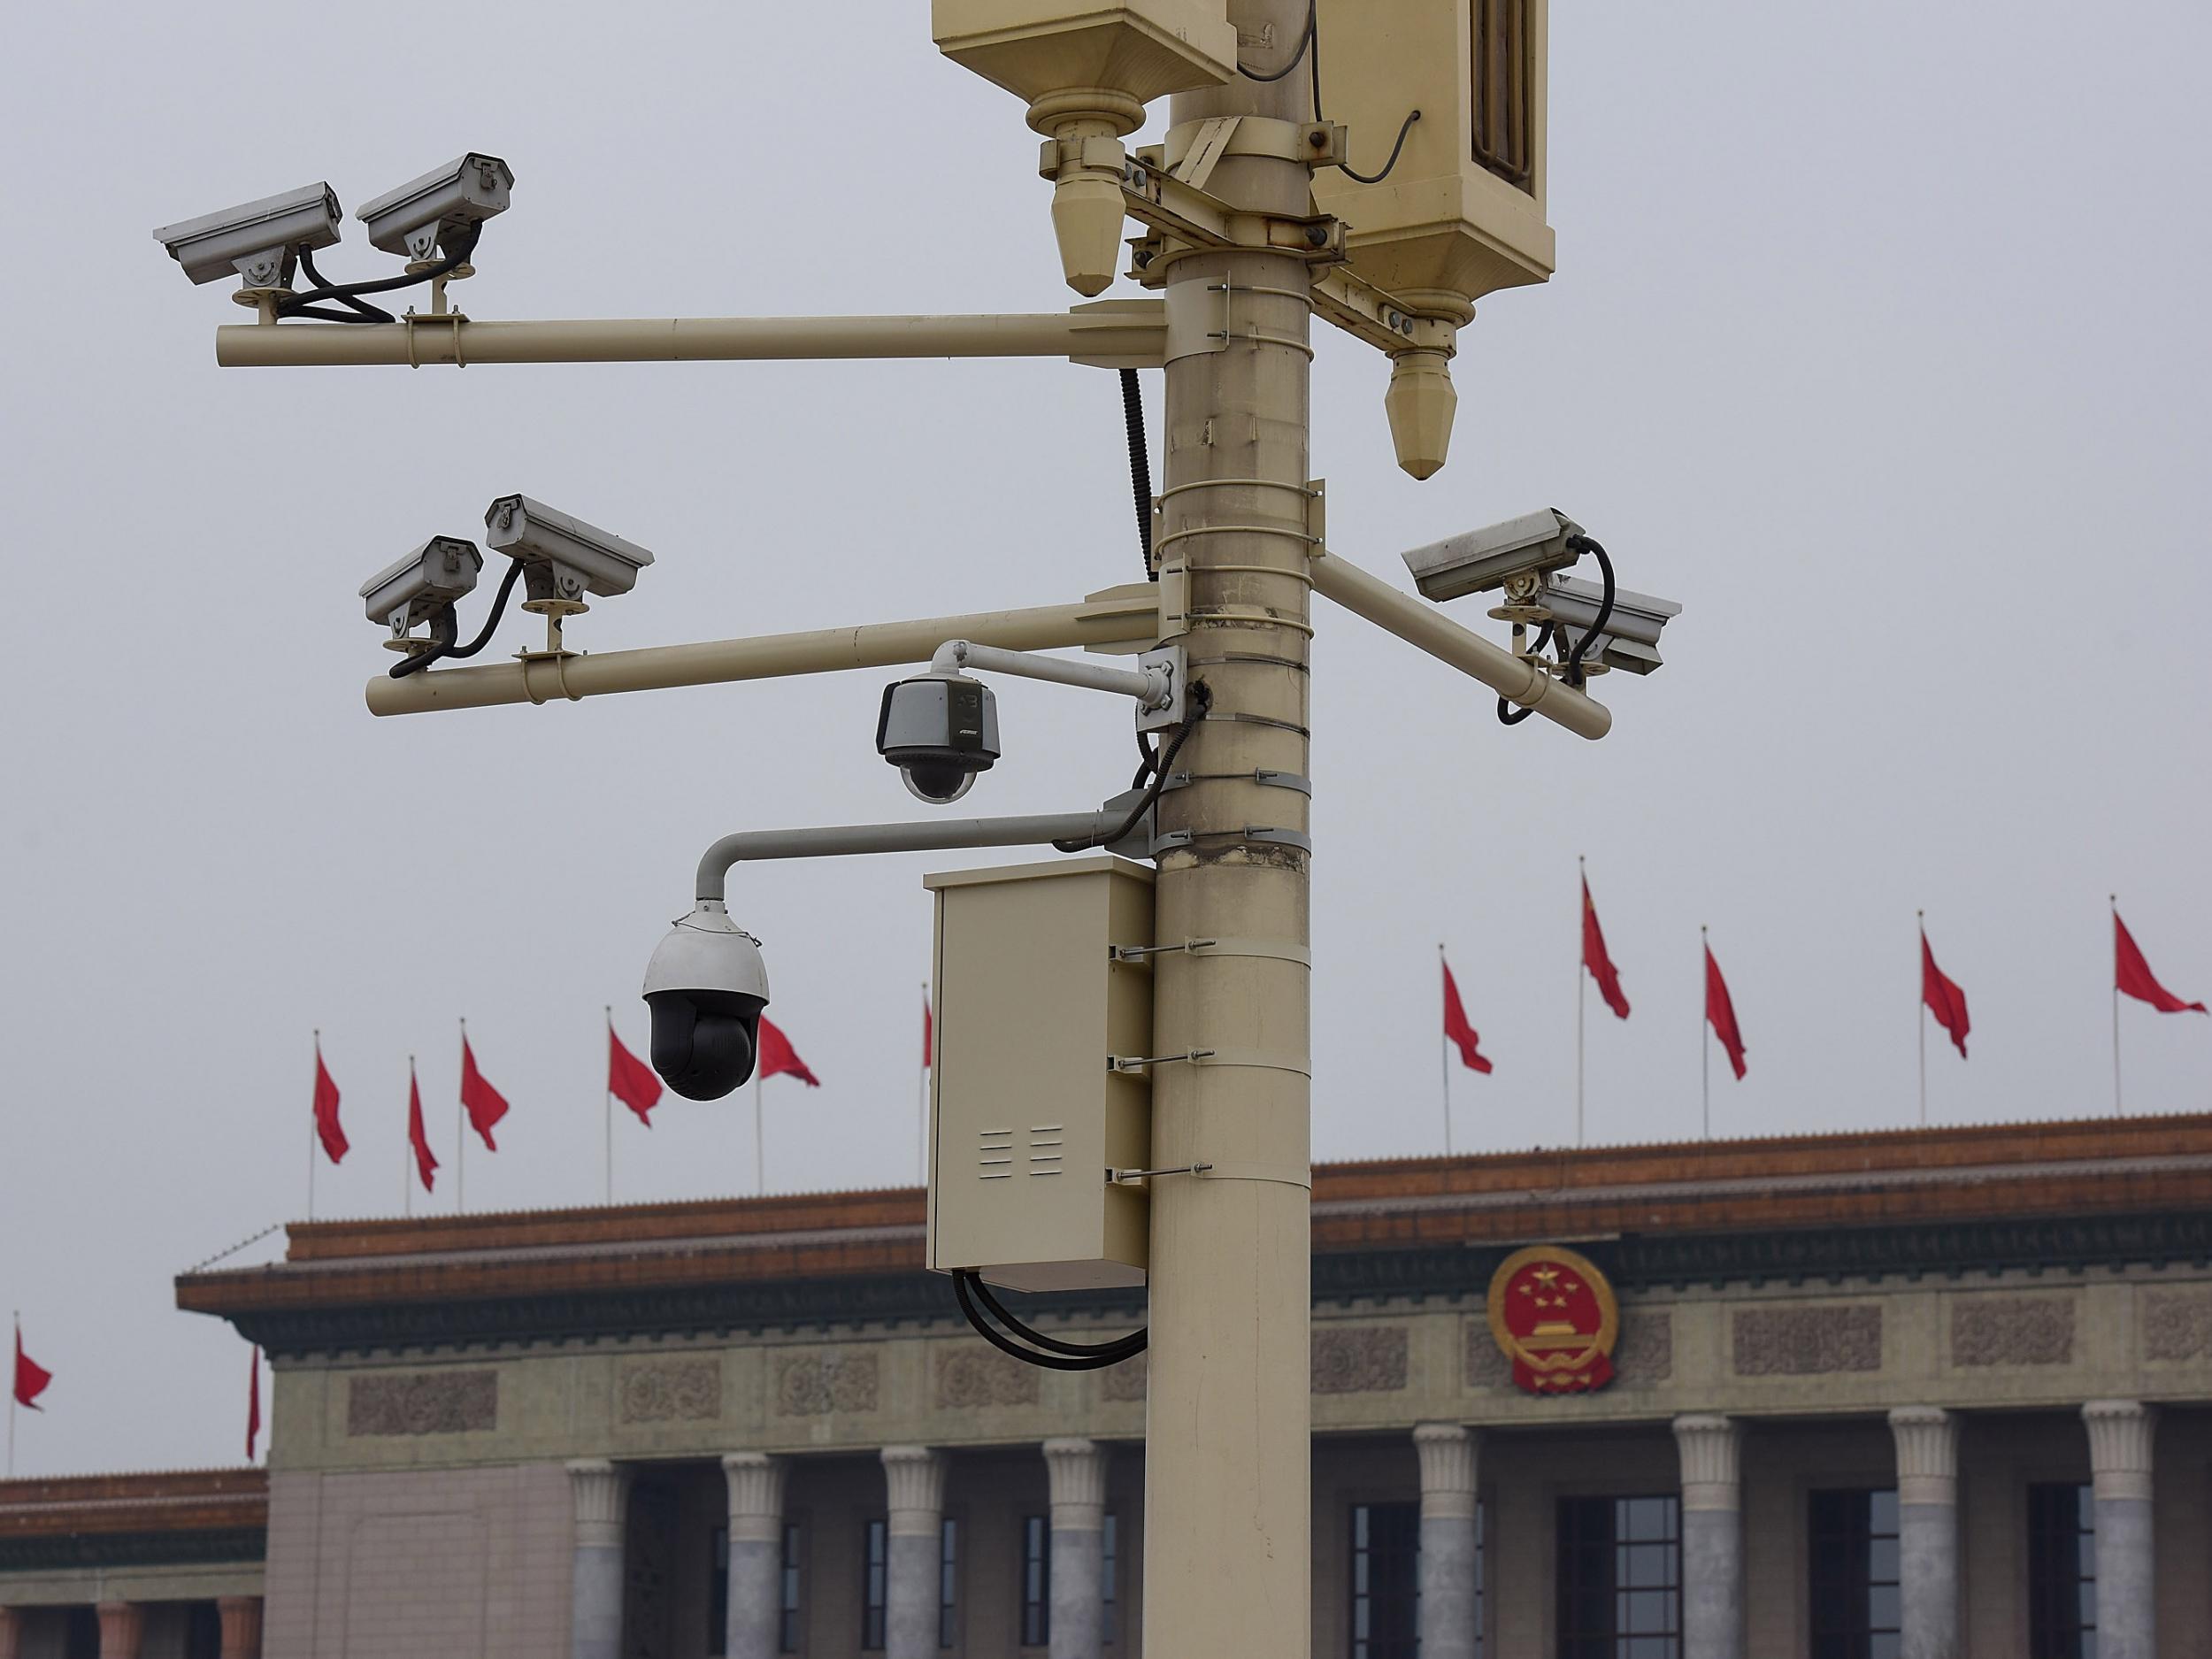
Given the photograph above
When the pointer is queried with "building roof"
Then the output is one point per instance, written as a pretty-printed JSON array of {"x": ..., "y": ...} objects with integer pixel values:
[
  {"x": 1913, "y": 1201},
  {"x": 187, "y": 1514}
]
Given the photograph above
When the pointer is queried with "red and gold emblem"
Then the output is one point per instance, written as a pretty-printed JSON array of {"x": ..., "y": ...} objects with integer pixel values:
[{"x": 1555, "y": 1318}]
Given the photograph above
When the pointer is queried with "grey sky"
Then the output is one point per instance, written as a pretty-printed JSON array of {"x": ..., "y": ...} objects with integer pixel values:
[{"x": 1878, "y": 339}]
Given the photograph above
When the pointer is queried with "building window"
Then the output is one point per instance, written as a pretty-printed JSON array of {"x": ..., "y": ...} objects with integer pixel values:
[
  {"x": 1851, "y": 1574},
  {"x": 1036, "y": 1582},
  {"x": 1110, "y": 1574},
  {"x": 787, "y": 1585},
  {"x": 1620, "y": 1578},
  {"x": 719, "y": 1590},
  {"x": 2062, "y": 1572},
  {"x": 874, "y": 1573},
  {"x": 948, "y": 1583},
  {"x": 202, "y": 1630},
  {"x": 1386, "y": 1581}
]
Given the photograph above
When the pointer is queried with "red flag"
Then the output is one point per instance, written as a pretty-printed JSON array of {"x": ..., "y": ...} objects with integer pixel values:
[
  {"x": 426, "y": 1161},
  {"x": 1943, "y": 997},
  {"x": 929, "y": 1032},
  {"x": 1457, "y": 1031},
  {"x": 253, "y": 1405},
  {"x": 2132, "y": 975},
  {"x": 1720, "y": 1012},
  {"x": 779, "y": 1058},
  {"x": 327, "y": 1129},
  {"x": 630, "y": 1081},
  {"x": 486, "y": 1105},
  {"x": 1594, "y": 956},
  {"x": 31, "y": 1378}
]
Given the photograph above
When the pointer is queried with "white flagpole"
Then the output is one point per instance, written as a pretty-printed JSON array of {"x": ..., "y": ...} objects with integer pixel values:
[
  {"x": 607, "y": 1102},
  {"x": 1444, "y": 1053},
  {"x": 314, "y": 1130},
  {"x": 1704, "y": 1043},
  {"x": 1922, "y": 917},
  {"x": 1581, "y": 973},
  {"x": 407, "y": 1145},
  {"x": 928, "y": 1062},
  {"x": 461, "y": 1143},
  {"x": 760, "y": 1144},
  {"x": 2117, "y": 1111},
  {"x": 15, "y": 1317}
]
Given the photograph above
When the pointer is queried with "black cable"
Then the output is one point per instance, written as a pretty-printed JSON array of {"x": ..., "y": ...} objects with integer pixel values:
[
  {"x": 1312, "y": 21},
  {"x": 1200, "y": 699},
  {"x": 362, "y": 311},
  {"x": 1574, "y": 676},
  {"x": 962, "y": 1283},
  {"x": 1313, "y": 57},
  {"x": 347, "y": 292},
  {"x": 1508, "y": 714},
  {"x": 1148, "y": 764},
  {"x": 445, "y": 650},
  {"x": 1140, "y": 465},
  {"x": 1133, "y": 1343}
]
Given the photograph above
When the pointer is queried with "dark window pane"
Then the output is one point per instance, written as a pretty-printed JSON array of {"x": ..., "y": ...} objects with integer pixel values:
[
  {"x": 1386, "y": 1578},
  {"x": 787, "y": 1622},
  {"x": 1036, "y": 1581}
]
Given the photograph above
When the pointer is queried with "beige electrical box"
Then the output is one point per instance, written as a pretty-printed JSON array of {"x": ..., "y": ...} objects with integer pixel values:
[
  {"x": 1462, "y": 214},
  {"x": 1038, "y": 48},
  {"x": 1026, "y": 1113}
]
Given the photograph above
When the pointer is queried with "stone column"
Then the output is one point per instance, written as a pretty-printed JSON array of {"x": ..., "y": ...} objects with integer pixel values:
[
  {"x": 122, "y": 1629},
  {"x": 914, "y": 1478},
  {"x": 1076, "y": 1471},
  {"x": 756, "y": 1599},
  {"x": 602, "y": 1490},
  {"x": 242, "y": 1625},
  {"x": 1450, "y": 1611},
  {"x": 2120, "y": 1436},
  {"x": 11, "y": 1633},
  {"x": 1712, "y": 1539},
  {"x": 1928, "y": 1529}
]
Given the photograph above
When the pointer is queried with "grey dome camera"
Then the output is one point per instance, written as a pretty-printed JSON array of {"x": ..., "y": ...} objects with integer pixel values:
[
  {"x": 706, "y": 985},
  {"x": 939, "y": 730}
]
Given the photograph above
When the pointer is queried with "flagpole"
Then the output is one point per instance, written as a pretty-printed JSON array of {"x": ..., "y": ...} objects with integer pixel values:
[
  {"x": 607, "y": 1101},
  {"x": 15, "y": 1317},
  {"x": 314, "y": 1130},
  {"x": 407, "y": 1148},
  {"x": 461, "y": 1142},
  {"x": 1443, "y": 1054},
  {"x": 2117, "y": 1111},
  {"x": 760, "y": 1144},
  {"x": 922, "y": 1132},
  {"x": 1923, "y": 918},
  {"x": 1704, "y": 1043},
  {"x": 1581, "y": 996}
]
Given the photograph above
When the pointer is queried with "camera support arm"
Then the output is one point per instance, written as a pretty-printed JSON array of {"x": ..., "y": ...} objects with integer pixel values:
[
  {"x": 1152, "y": 683},
  {"x": 841, "y": 840}
]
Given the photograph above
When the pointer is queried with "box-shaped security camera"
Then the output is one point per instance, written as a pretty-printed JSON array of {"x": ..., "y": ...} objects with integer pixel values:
[
  {"x": 1461, "y": 213},
  {"x": 1026, "y": 1114},
  {"x": 1144, "y": 50}
]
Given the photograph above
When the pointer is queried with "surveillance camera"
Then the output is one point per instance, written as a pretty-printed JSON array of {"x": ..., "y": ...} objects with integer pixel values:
[
  {"x": 426, "y": 582},
  {"x": 563, "y": 558},
  {"x": 258, "y": 240},
  {"x": 939, "y": 730},
  {"x": 441, "y": 211},
  {"x": 706, "y": 985},
  {"x": 1631, "y": 640},
  {"x": 1529, "y": 546}
]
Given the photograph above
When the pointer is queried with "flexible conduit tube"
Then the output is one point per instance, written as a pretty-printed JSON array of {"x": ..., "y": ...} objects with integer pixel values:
[{"x": 1417, "y": 624}]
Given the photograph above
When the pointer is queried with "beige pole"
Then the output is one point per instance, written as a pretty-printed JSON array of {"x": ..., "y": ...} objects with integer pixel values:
[{"x": 1226, "y": 1554}]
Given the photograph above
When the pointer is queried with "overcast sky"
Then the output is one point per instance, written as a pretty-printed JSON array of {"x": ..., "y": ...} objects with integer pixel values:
[{"x": 1878, "y": 340}]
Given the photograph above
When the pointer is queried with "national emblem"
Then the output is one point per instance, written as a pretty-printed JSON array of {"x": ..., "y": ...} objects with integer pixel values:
[{"x": 1555, "y": 1318}]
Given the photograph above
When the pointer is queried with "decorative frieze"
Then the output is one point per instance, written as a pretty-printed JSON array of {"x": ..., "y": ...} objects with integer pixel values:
[
  {"x": 2178, "y": 1325},
  {"x": 664, "y": 1391},
  {"x": 2012, "y": 1331},
  {"x": 1362, "y": 1359},
  {"x": 968, "y": 1377},
  {"x": 1807, "y": 1341},
  {"x": 1486, "y": 1366},
  {"x": 422, "y": 1402},
  {"x": 1645, "y": 1354},
  {"x": 1126, "y": 1381},
  {"x": 825, "y": 1384}
]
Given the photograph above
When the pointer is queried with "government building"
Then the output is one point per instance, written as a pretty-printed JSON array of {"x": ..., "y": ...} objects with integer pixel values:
[{"x": 1938, "y": 1395}]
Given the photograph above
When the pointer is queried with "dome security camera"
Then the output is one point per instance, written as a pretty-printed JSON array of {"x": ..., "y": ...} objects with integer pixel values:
[
  {"x": 939, "y": 730},
  {"x": 706, "y": 985}
]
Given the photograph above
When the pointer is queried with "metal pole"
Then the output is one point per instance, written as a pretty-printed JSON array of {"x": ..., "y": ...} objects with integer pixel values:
[
  {"x": 407, "y": 1147},
  {"x": 928, "y": 1062},
  {"x": 1228, "y": 1552},
  {"x": 1704, "y": 1043},
  {"x": 15, "y": 1319},
  {"x": 1922, "y": 917},
  {"x": 1582, "y": 966},
  {"x": 607, "y": 1104},
  {"x": 760, "y": 1143},
  {"x": 461, "y": 1145},
  {"x": 2118, "y": 1109},
  {"x": 1444, "y": 1054},
  {"x": 314, "y": 1130}
]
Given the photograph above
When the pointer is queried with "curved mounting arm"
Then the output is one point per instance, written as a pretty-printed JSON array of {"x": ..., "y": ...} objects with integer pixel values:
[
  {"x": 1152, "y": 683},
  {"x": 1040, "y": 829}
]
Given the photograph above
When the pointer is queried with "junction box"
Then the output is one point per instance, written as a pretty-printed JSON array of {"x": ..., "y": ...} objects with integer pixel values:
[{"x": 1027, "y": 1113}]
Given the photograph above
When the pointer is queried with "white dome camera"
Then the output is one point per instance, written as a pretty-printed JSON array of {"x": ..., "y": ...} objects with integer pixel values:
[{"x": 706, "y": 985}]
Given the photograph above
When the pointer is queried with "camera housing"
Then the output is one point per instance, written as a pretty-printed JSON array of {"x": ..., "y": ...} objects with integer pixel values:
[
  {"x": 423, "y": 583},
  {"x": 563, "y": 558},
  {"x": 1631, "y": 640},
  {"x": 440, "y": 212},
  {"x": 1534, "y": 544},
  {"x": 259, "y": 242},
  {"x": 940, "y": 730},
  {"x": 706, "y": 984}
]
